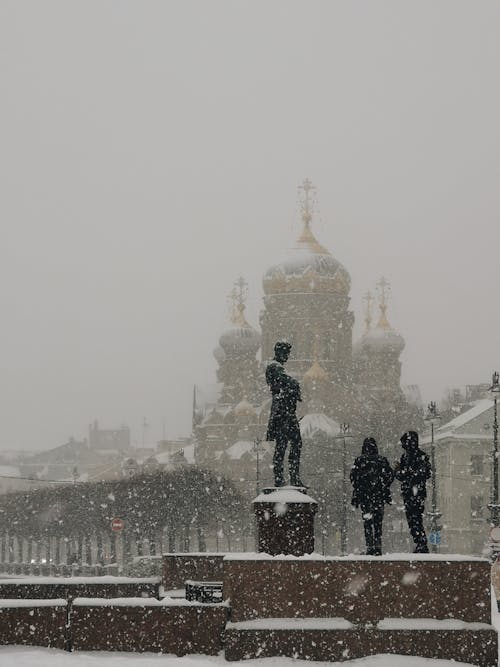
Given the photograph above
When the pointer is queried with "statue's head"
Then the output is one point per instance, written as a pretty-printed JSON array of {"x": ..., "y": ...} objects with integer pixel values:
[{"x": 282, "y": 350}]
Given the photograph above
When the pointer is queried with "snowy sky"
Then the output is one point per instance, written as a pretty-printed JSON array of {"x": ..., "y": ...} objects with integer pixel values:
[{"x": 150, "y": 153}]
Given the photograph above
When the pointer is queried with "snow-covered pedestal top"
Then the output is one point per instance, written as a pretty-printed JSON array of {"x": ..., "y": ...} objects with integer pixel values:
[{"x": 284, "y": 496}]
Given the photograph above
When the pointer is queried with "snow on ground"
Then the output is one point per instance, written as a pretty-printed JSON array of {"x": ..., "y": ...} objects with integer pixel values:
[{"x": 46, "y": 657}]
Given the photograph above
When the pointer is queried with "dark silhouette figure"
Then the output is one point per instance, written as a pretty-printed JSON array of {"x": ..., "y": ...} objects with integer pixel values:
[
  {"x": 283, "y": 425},
  {"x": 371, "y": 478},
  {"x": 413, "y": 471}
]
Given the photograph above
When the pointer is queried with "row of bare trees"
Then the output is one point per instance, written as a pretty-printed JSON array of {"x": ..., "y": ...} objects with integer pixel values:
[{"x": 158, "y": 509}]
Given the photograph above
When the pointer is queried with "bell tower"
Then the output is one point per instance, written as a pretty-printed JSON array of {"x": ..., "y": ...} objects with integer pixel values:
[{"x": 306, "y": 301}]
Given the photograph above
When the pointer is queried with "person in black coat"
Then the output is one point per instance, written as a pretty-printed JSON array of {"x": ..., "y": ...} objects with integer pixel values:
[
  {"x": 371, "y": 478},
  {"x": 413, "y": 471},
  {"x": 283, "y": 426}
]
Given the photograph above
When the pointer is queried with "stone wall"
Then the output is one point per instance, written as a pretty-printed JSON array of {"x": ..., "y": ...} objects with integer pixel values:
[
  {"x": 178, "y": 568},
  {"x": 309, "y": 607},
  {"x": 46, "y": 588},
  {"x": 33, "y": 622},
  {"x": 360, "y": 590},
  {"x": 477, "y": 647},
  {"x": 138, "y": 625},
  {"x": 330, "y": 609}
]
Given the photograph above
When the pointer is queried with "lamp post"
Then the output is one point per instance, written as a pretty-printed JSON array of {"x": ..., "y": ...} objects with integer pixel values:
[
  {"x": 493, "y": 505},
  {"x": 344, "y": 433},
  {"x": 256, "y": 450},
  {"x": 433, "y": 418}
]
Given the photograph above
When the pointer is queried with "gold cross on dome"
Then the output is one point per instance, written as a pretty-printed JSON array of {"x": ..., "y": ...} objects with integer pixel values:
[
  {"x": 384, "y": 288},
  {"x": 368, "y": 299},
  {"x": 237, "y": 298},
  {"x": 307, "y": 187},
  {"x": 241, "y": 288}
]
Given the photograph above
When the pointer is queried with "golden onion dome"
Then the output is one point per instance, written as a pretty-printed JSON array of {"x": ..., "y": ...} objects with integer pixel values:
[
  {"x": 382, "y": 338},
  {"x": 241, "y": 339},
  {"x": 316, "y": 374},
  {"x": 308, "y": 266}
]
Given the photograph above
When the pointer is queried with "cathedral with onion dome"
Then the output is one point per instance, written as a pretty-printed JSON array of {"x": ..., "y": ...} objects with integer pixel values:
[{"x": 306, "y": 300}]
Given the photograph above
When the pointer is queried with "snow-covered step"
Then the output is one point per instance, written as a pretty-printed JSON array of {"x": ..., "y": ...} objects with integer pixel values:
[{"x": 336, "y": 639}]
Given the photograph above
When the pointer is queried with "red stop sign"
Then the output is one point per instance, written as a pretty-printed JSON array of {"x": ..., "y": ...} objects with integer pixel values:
[{"x": 117, "y": 525}]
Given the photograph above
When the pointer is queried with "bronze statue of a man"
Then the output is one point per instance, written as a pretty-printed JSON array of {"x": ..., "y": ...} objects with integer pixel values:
[{"x": 283, "y": 425}]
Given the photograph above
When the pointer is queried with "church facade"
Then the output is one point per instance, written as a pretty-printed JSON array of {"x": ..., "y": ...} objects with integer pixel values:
[{"x": 306, "y": 300}]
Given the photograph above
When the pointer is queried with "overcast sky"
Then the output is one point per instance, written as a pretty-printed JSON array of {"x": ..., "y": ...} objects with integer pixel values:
[{"x": 150, "y": 153}]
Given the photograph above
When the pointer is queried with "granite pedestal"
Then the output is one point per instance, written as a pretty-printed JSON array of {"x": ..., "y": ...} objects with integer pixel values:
[{"x": 285, "y": 521}]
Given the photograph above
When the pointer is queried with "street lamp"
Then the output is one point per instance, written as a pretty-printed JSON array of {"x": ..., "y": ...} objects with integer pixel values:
[
  {"x": 256, "y": 450},
  {"x": 493, "y": 506},
  {"x": 433, "y": 418},
  {"x": 344, "y": 433}
]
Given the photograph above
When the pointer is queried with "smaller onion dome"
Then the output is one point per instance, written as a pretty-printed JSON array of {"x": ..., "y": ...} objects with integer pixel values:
[
  {"x": 314, "y": 423},
  {"x": 150, "y": 463},
  {"x": 241, "y": 339},
  {"x": 383, "y": 338},
  {"x": 308, "y": 266},
  {"x": 316, "y": 374},
  {"x": 245, "y": 409}
]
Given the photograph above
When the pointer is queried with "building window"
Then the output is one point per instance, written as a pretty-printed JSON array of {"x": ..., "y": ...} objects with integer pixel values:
[
  {"x": 477, "y": 464},
  {"x": 477, "y": 508}
]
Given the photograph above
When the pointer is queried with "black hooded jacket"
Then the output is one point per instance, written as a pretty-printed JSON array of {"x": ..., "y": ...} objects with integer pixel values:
[
  {"x": 371, "y": 478},
  {"x": 414, "y": 469}
]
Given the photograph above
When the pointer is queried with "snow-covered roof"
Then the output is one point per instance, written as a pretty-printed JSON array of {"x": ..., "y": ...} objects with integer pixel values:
[
  {"x": 9, "y": 471},
  {"x": 164, "y": 458},
  {"x": 449, "y": 430},
  {"x": 220, "y": 411},
  {"x": 189, "y": 453},
  {"x": 299, "y": 260},
  {"x": 480, "y": 407},
  {"x": 312, "y": 423},
  {"x": 239, "y": 448}
]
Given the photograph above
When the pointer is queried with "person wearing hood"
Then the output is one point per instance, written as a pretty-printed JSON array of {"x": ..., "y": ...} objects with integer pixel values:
[
  {"x": 371, "y": 478},
  {"x": 413, "y": 471}
]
